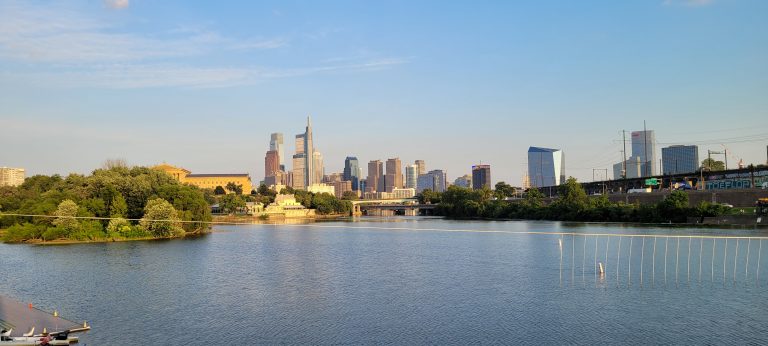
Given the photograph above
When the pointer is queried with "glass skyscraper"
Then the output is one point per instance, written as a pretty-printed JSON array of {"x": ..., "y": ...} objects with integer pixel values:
[
  {"x": 546, "y": 167},
  {"x": 680, "y": 159},
  {"x": 352, "y": 172}
]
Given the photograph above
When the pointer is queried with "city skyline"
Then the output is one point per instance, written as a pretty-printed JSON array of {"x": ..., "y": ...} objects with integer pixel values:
[{"x": 202, "y": 86}]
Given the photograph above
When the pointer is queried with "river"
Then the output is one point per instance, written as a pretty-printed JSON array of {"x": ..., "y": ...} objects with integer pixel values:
[{"x": 403, "y": 281}]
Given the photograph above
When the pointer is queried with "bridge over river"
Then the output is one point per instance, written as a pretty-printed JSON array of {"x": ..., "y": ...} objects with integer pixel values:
[{"x": 391, "y": 207}]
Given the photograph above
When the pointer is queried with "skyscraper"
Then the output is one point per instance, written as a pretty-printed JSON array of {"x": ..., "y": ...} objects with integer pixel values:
[
  {"x": 481, "y": 177},
  {"x": 680, "y": 159},
  {"x": 318, "y": 167},
  {"x": 394, "y": 177},
  {"x": 546, "y": 167},
  {"x": 644, "y": 147},
  {"x": 271, "y": 163},
  {"x": 433, "y": 180},
  {"x": 411, "y": 176},
  {"x": 422, "y": 167},
  {"x": 304, "y": 171},
  {"x": 276, "y": 144},
  {"x": 352, "y": 172},
  {"x": 375, "y": 180}
]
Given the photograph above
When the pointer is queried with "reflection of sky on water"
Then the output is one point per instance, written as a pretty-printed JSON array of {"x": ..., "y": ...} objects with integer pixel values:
[{"x": 403, "y": 280}]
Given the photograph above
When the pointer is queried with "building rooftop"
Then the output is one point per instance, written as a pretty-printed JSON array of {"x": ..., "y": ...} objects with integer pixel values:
[
  {"x": 541, "y": 150},
  {"x": 216, "y": 175}
]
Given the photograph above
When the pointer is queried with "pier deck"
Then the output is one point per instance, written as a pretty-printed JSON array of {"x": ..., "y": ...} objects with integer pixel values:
[{"x": 21, "y": 317}]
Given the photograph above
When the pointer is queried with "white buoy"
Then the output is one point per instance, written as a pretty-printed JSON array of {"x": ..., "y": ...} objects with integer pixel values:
[{"x": 601, "y": 270}]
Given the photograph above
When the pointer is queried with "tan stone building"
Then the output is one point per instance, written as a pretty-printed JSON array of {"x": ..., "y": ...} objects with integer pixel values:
[
  {"x": 11, "y": 176},
  {"x": 207, "y": 181}
]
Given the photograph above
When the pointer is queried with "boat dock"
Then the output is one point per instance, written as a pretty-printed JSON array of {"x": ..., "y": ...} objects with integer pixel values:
[{"x": 21, "y": 318}]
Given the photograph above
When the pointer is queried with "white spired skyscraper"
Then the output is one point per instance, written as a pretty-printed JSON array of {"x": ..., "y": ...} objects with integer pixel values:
[
  {"x": 304, "y": 173},
  {"x": 546, "y": 167}
]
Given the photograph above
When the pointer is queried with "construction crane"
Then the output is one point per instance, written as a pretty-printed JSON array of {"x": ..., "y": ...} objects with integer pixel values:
[{"x": 726, "y": 152}]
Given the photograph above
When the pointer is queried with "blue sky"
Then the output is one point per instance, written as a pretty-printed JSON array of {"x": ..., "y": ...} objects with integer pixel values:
[{"x": 202, "y": 84}]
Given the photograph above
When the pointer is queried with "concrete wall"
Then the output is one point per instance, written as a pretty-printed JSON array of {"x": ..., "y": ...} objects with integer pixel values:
[{"x": 737, "y": 198}]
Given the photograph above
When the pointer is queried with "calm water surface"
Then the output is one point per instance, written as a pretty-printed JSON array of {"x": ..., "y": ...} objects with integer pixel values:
[{"x": 399, "y": 281}]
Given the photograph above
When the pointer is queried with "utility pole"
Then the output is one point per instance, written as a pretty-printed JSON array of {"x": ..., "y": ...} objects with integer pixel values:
[{"x": 624, "y": 155}]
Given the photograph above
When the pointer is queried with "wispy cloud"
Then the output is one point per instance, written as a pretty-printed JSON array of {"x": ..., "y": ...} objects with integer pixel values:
[
  {"x": 133, "y": 76},
  {"x": 57, "y": 35},
  {"x": 55, "y": 46},
  {"x": 117, "y": 4},
  {"x": 690, "y": 3}
]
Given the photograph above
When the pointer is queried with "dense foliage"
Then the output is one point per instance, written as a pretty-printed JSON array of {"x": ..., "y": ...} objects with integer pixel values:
[
  {"x": 573, "y": 204},
  {"x": 116, "y": 192}
]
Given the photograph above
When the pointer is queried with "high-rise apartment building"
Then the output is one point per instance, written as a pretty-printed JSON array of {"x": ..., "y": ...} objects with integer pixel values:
[
  {"x": 546, "y": 167},
  {"x": 375, "y": 180},
  {"x": 352, "y": 172},
  {"x": 481, "y": 177},
  {"x": 12, "y": 176},
  {"x": 411, "y": 176},
  {"x": 679, "y": 159},
  {"x": 276, "y": 144},
  {"x": 422, "y": 167},
  {"x": 434, "y": 180},
  {"x": 394, "y": 177}
]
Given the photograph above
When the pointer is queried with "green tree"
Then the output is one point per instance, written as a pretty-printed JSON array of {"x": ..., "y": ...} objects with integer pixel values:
[
  {"x": 572, "y": 194},
  {"x": 161, "y": 219},
  {"x": 349, "y": 196},
  {"x": 232, "y": 203},
  {"x": 236, "y": 188},
  {"x": 65, "y": 216},
  {"x": 712, "y": 165},
  {"x": 118, "y": 207},
  {"x": 534, "y": 197},
  {"x": 219, "y": 191},
  {"x": 503, "y": 190}
]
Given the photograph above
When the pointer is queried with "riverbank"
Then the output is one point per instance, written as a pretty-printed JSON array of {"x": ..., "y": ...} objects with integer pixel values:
[
  {"x": 102, "y": 240},
  {"x": 275, "y": 220}
]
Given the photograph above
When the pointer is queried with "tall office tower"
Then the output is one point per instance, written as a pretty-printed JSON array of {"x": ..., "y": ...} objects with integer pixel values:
[
  {"x": 644, "y": 147},
  {"x": 679, "y": 159},
  {"x": 298, "y": 178},
  {"x": 546, "y": 167},
  {"x": 411, "y": 176},
  {"x": 319, "y": 168},
  {"x": 352, "y": 172},
  {"x": 433, "y": 180},
  {"x": 422, "y": 167},
  {"x": 394, "y": 177},
  {"x": 276, "y": 144},
  {"x": 375, "y": 181},
  {"x": 271, "y": 163},
  {"x": 304, "y": 172},
  {"x": 481, "y": 177},
  {"x": 463, "y": 181}
]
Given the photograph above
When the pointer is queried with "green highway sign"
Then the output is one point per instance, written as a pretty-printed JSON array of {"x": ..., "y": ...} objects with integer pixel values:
[{"x": 651, "y": 181}]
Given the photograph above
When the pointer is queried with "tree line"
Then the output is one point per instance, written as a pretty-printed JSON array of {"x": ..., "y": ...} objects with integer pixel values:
[
  {"x": 133, "y": 202},
  {"x": 573, "y": 204}
]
